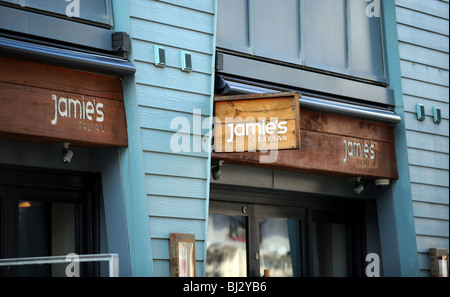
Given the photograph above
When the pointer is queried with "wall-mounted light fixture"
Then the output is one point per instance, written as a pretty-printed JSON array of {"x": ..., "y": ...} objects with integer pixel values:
[
  {"x": 358, "y": 187},
  {"x": 66, "y": 153},
  {"x": 382, "y": 183},
  {"x": 215, "y": 169},
  {"x": 221, "y": 87}
]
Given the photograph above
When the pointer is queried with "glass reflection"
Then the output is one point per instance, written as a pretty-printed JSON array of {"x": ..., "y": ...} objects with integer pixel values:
[
  {"x": 330, "y": 249},
  {"x": 226, "y": 246},
  {"x": 33, "y": 236},
  {"x": 279, "y": 247},
  {"x": 93, "y": 10}
]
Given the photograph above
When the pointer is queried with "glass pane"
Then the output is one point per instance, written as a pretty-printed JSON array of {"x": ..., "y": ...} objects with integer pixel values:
[
  {"x": 232, "y": 28},
  {"x": 63, "y": 234},
  {"x": 324, "y": 34},
  {"x": 33, "y": 236},
  {"x": 279, "y": 247},
  {"x": 366, "y": 52},
  {"x": 276, "y": 29},
  {"x": 330, "y": 249},
  {"x": 92, "y": 10},
  {"x": 186, "y": 251},
  {"x": 226, "y": 246},
  {"x": 45, "y": 229}
]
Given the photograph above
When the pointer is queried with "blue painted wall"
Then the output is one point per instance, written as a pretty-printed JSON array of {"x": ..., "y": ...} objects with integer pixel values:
[
  {"x": 413, "y": 213},
  {"x": 423, "y": 31},
  {"x": 395, "y": 212},
  {"x": 141, "y": 261},
  {"x": 167, "y": 187}
]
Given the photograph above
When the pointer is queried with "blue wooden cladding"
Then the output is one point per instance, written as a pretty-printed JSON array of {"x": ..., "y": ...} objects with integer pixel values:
[
  {"x": 424, "y": 58},
  {"x": 176, "y": 86},
  {"x": 167, "y": 189}
]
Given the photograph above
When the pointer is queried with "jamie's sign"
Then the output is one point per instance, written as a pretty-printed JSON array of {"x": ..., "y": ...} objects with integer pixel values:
[
  {"x": 51, "y": 104},
  {"x": 330, "y": 145},
  {"x": 89, "y": 114},
  {"x": 262, "y": 122}
]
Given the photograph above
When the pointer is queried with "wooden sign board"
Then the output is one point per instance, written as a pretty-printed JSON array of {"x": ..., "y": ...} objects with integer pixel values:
[
  {"x": 332, "y": 145},
  {"x": 52, "y": 104},
  {"x": 256, "y": 122}
]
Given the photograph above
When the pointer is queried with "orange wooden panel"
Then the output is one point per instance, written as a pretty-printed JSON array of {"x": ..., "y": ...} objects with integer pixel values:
[
  {"x": 50, "y": 104},
  {"x": 331, "y": 145},
  {"x": 256, "y": 123}
]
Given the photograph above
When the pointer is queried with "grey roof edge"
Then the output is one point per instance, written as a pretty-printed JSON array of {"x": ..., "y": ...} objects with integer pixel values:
[
  {"x": 316, "y": 103},
  {"x": 67, "y": 58}
]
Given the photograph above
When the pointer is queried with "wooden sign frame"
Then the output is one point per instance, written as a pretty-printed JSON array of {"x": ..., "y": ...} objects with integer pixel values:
[
  {"x": 332, "y": 145},
  {"x": 182, "y": 255},
  {"x": 257, "y": 122},
  {"x": 44, "y": 103}
]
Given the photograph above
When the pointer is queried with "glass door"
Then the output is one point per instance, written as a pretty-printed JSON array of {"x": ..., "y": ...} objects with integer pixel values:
[
  {"x": 46, "y": 213},
  {"x": 279, "y": 241},
  {"x": 336, "y": 244},
  {"x": 46, "y": 227},
  {"x": 227, "y": 241},
  {"x": 254, "y": 240},
  {"x": 255, "y": 233}
]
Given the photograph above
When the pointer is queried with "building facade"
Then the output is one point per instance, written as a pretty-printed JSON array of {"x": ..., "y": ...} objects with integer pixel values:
[
  {"x": 131, "y": 94},
  {"x": 423, "y": 49}
]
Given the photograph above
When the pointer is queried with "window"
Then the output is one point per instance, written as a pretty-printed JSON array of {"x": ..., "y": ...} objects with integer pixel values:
[
  {"x": 327, "y": 35},
  {"x": 256, "y": 233},
  {"x": 75, "y": 23},
  {"x": 254, "y": 240},
  {"x": 48, "y": 213},
  {"x": 227, "y": 246},
  {"x": 95, "y": 11},
  {"x": 279, "y": 247}
]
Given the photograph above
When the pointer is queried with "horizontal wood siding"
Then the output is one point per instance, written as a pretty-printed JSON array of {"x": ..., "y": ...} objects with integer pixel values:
[
  {"x": 176, "y": 181},
  {"x": 423, "y": 31}
]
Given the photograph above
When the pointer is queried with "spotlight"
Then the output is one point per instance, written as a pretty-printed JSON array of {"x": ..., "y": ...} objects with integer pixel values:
[
  {"x": 220, "y": 85},
  {"x": 382, "y": 183},
  {"x": 66, "y": 153},
  {"x": 358, "y": 186},
  {"x": 215, "y": 169}
]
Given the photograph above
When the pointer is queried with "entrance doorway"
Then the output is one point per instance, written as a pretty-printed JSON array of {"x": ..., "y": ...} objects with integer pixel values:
[
  {"x": 276, "y": 234},
  {"x": 48, "y": 213}
]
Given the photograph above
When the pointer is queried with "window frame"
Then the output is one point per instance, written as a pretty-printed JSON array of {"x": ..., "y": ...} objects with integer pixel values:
[
  {"x": 50, "y": 28},
  {"x": 108, "y": 6},
  {"x": 251, "y": 48},
  {"x": 307, "y": 209},
  {"x": 238, "y": 61},
  {"x": 48, "y": 186}
]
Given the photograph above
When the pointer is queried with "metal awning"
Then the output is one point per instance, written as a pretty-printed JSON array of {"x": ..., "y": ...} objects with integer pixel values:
[
  {"x": 316, "y": 103},
  {"x": 66, "y": 58}
]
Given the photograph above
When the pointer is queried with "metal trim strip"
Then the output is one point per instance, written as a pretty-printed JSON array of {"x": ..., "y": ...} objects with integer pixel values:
[
  {"x": 67, "y": 58},
  {"x": 308, "y": 101}
]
